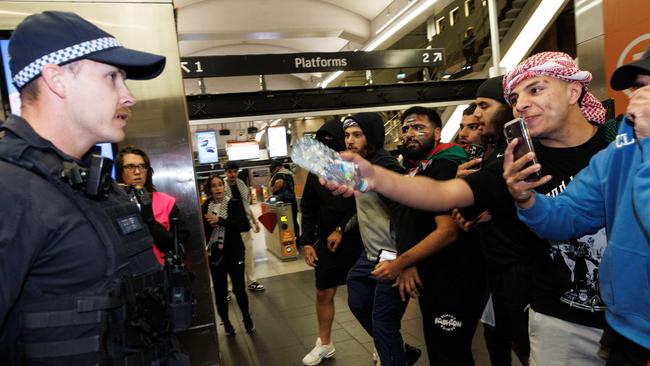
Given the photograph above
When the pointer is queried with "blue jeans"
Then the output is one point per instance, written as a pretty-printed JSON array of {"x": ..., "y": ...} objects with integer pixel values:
[{"x": 377, "y": 306}]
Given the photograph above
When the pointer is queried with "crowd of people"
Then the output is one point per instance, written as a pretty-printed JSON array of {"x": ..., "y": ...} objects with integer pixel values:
[
  {"x": 564, "y": 254},
  {"x": 551, "y": 250}
]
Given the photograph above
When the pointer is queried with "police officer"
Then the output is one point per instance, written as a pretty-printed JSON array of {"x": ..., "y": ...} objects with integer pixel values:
[{"x": 78, "y": 281}]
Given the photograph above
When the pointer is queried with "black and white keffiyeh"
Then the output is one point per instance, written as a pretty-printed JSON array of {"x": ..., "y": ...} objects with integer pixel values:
[
  {"x": 218, "y": 232},
  {"x": 243, "y": 190}
]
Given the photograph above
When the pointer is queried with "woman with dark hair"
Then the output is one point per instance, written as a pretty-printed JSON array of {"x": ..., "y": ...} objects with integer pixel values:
[
  {"x": 133, "y": 169},
  {"x": 221, "y": 222}
]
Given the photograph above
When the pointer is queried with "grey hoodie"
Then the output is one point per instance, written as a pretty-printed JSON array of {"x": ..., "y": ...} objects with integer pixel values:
[{"x": 373, "y": 212}]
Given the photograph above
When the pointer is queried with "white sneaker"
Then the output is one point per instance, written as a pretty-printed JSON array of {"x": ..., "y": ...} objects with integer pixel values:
[
  {"x": 320, "y": 351},
  {"x": 375, "y": 357}
]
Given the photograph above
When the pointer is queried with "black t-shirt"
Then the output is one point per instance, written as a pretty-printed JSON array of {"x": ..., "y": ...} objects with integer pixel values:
[
  {"x": 457, "y": 259},
  {"x": 567, "y": 272},
  {"x": 244, "y": 225},
  {"x": 505, "y": 240},
  {"x": 564, "y": 274},
  {"x": 234, "y": 190}
]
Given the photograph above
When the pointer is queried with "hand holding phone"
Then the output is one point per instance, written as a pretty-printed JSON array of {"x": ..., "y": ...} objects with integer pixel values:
[
  {"x": 517, "y": 129},
  {"x": 474, "y": 151}
]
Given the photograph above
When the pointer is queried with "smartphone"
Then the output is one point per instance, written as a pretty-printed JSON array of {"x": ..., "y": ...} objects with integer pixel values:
[
  {"x": 386, "y": 255},
  {"x": 517, "y": 129},
  {"x": 475, "y": 151}
]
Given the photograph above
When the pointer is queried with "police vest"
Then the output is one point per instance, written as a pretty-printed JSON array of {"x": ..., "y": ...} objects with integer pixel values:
[{"x": 121, "y": 320}]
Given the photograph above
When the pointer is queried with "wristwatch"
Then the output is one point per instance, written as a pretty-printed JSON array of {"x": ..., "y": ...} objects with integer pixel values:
[{"x": 339, "y": 229}]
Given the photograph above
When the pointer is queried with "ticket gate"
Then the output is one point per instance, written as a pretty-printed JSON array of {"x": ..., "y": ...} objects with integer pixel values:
[{"x": 279, "y": 233}]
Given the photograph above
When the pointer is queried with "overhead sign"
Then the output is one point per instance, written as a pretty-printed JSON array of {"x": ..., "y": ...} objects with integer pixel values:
[{"x": 296, "y": 63}]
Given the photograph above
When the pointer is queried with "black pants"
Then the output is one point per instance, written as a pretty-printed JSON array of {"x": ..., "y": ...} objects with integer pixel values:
[
  {"x": 450, "y": 311},
  {"x": 233, "y": 265},
  {"x": 497, "y": 340},
  {"x": 622, "y": 351},
  {"x": 510, "y": 290}
]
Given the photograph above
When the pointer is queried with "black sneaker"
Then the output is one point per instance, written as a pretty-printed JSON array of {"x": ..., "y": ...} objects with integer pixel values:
[
  {"x": 228, "y": 296},
  {"x": 248, "y": 324},
  {"x": 412, "y": 354},
  {"x": 228, "y": 328}
]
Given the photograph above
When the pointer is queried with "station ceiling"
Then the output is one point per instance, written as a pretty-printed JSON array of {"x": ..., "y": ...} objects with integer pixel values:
[{"x": 240, "y": 27}]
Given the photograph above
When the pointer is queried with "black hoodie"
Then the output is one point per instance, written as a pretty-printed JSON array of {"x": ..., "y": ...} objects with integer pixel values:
[
  {"x": 372, "y": 125},
  {"x": 331, "y": 134},
  {"x": 321, "y": 211}
]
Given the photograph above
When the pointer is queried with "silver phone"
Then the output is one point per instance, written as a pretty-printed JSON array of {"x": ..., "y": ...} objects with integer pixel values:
[{"x": 517, "y": 129}]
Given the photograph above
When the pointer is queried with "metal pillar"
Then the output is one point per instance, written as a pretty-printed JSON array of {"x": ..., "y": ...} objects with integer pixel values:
[{"x": 494, "y": 38}]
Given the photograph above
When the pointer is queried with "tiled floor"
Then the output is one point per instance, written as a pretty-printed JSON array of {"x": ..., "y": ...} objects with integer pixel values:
[{"x": 286, "y": 326}]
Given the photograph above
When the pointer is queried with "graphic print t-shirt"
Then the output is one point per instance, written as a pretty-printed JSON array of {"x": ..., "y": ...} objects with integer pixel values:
[{"x": 566, "y": 273}]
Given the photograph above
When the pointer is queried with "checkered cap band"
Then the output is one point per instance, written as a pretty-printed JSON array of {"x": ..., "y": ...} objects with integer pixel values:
[
  {"x": 561, "y": 66},
  {"x": 349, "y": 122},
  {"x": 67, "y": 54}
]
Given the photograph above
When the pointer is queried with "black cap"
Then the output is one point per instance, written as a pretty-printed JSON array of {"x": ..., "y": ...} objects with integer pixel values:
[
  {"x": 231, "y": 165},
  {"x": 492, "y": 88},
  {"x": 625, "y": 76},
  {"x": 372, "y": 125},
  {"x": 55, "y": 37}
]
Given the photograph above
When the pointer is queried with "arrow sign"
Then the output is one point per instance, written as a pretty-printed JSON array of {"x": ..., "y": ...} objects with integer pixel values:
[{"x": 184, "y": 67}]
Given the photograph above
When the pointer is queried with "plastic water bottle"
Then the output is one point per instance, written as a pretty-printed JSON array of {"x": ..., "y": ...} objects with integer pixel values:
[{"x": 319, "y": 159}]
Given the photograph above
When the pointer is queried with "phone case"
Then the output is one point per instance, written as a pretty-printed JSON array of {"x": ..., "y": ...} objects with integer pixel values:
[
  {"x": 474, "y": 151},
  {"x": 517, "y": 129}
]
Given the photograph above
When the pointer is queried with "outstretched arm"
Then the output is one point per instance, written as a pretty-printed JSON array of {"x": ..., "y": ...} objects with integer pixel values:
[{"x": 416, "y": 192}]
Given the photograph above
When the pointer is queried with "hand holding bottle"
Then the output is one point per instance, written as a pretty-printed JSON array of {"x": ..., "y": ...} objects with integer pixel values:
[{"x": 327, "y": 164}]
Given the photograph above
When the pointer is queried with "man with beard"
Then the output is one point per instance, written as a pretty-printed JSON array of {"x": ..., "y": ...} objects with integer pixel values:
[
  {"x": 376, "y": 303},
  {"x": 486, "y": 129},
  {"x": 434, "y": 259},
  {"x": 491, "y": 113},
  {"x": 239, "y": 192}
]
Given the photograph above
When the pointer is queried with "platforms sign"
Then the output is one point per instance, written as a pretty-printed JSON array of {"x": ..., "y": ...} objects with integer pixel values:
[{"x": 296, "y": 63}]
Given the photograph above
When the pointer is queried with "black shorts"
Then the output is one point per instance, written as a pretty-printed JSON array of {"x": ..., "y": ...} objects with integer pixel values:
[{"x": 332, "y": 267}]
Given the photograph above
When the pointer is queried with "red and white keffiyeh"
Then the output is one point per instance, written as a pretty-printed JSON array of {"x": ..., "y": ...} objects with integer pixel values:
[{"x": 561, "y": 66}]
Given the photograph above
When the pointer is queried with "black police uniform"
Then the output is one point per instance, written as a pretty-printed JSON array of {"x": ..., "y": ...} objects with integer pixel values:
[{"x": 78, "y": 281}]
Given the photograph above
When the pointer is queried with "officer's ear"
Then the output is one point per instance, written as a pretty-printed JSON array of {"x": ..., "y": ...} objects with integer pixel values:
[{"x": 52, "y": 76}]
